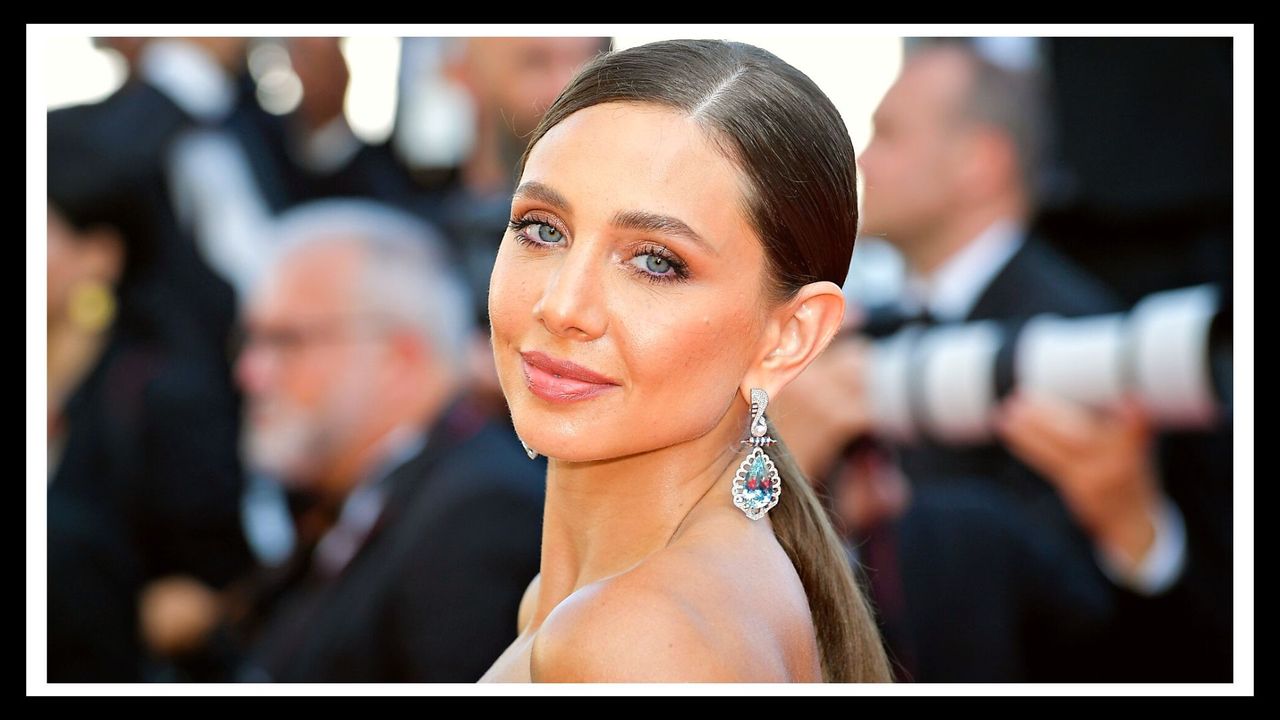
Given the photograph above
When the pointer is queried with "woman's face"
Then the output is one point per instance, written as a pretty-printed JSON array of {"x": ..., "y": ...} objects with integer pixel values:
[{"x": 603, "y": 269}]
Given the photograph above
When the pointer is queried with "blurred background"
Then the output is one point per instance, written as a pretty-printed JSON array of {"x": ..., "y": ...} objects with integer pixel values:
[{"x": 267, "y": 340}]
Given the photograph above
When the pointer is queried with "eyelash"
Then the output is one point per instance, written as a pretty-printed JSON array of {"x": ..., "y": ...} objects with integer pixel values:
[{"x": 679, "y": 270}]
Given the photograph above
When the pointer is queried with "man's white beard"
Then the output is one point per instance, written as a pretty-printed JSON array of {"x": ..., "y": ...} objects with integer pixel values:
[
  {"x": 286, "y": 446},
  {"x": 294, "y": 445}
]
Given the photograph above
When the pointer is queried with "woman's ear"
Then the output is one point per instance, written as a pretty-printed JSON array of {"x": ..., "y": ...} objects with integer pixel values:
[{"x": 797, "y": 333}]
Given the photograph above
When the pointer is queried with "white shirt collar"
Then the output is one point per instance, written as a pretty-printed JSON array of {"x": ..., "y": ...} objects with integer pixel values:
[
  {"x": 952, "y": 290},
  {"x": 189, "y": 77},
  {"x": 363, "y": 507}
]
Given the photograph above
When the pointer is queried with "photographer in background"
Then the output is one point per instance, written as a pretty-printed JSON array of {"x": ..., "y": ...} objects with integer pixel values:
[{"x": 1057, "y": 544}]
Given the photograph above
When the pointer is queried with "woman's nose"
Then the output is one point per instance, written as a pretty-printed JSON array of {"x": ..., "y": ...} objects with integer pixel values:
[{"x": 572, "y": 305}]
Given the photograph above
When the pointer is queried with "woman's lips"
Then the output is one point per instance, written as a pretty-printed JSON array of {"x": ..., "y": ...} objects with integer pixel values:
[{"x": 559, "y": 389}]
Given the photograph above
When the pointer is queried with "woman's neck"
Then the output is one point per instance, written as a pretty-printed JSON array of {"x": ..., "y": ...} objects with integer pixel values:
[{"x": 604, "y": 517}]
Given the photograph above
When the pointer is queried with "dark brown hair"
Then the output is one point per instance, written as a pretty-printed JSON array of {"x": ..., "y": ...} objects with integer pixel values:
[{"x": 800, "y": 191}]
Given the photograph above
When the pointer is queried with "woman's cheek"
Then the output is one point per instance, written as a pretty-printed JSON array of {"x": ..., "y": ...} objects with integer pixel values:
[
  {"x": 505, "y": 316},
  {"x": 506, "y": 290},
  {"x": 689, "y": 346}
]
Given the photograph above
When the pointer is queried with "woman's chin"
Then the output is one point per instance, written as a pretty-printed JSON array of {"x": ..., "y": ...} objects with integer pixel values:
[{"x": 567, "y": 447}]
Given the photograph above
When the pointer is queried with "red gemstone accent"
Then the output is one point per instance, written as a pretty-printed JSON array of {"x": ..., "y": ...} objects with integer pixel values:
[
  {"x": 768, "y": 483},
  {"x": 751, "y": 483}
]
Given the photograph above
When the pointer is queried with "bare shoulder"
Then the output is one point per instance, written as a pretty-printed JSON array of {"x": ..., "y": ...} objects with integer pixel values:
[
  {"x": 626, "y": 630},
  {"x": 694, "y": 612}
]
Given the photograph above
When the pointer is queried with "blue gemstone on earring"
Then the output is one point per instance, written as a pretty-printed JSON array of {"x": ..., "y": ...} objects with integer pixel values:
[{"x": 759, "y": 484}]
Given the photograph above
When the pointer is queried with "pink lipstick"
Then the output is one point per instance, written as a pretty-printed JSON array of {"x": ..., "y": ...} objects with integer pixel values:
[{"x": 560, "y": 381}]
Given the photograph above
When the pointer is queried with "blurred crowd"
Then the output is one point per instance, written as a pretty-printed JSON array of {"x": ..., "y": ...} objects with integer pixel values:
[{"x": 278, "y": 450}]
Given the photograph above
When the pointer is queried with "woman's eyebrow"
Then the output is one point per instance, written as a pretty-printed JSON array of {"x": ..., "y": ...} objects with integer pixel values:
[
  {"x": 642, "y": 220},
  {"x": 534, "y": 190},
  {"x": 646, "y": 221}
]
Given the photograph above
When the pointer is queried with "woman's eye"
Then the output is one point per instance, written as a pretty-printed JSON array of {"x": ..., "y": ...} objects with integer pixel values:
[
  {"x": 654, "y": 263},
  {"x": 657, "y": 266},
  {"x": 548, "y": 233}
]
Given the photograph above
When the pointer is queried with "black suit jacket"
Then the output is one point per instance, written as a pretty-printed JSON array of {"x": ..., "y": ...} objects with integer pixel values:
[
  {"x": 968, "y": 588},
  {"x": 147, "y": 485},
  {"x": 373, "y": 172},
  {"x": 94, "y": 575},
  {"x": 120, "y": 147},
  {"x": 432, "y": 594},
  {"x": 998, "y": 581}
]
